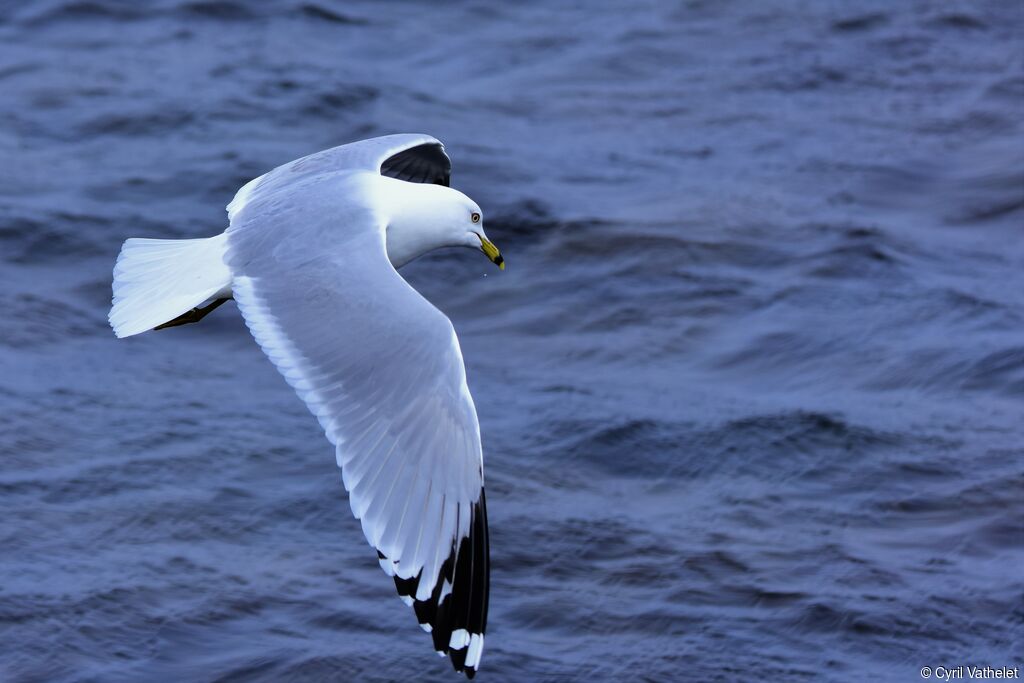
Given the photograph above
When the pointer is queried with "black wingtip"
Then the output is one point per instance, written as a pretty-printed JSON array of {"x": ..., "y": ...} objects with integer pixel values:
[
  {"x": 425, "y": 163},
  {"x": 465, "y": 578}
]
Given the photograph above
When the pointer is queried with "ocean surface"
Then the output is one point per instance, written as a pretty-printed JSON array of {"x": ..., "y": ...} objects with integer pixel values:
[{"x": 751, "y": 388}]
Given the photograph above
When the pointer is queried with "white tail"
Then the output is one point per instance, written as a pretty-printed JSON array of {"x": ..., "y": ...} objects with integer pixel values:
[{"x": 155, "y": 281}]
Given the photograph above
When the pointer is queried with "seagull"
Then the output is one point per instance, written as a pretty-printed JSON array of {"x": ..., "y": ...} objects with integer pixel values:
[{"x": 310, "y": 257}]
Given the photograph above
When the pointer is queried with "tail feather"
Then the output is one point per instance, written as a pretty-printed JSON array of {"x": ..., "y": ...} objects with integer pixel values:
[{"x": 155, "y": 281}]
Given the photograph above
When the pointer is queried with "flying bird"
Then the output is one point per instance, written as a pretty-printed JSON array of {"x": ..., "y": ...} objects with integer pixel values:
[{"x": 310, "y": 257}]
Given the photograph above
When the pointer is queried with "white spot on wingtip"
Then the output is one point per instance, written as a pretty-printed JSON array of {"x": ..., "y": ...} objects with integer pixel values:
[
  {"x": 428, "y": 628},
  {"x": 476, "y": 648},
  {"x": 459, "y": 639},
  {"x": 407, "y": 600}
]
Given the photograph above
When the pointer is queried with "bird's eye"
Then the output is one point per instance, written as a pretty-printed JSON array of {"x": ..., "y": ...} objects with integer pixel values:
[{"x": 475, "y": 217}]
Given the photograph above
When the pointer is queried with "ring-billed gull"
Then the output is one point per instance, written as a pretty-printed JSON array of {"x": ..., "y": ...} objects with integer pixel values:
[{"x": 310, "y": 255}]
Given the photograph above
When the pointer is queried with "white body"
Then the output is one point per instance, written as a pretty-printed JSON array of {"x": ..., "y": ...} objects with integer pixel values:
[{"x": 157, "y": 280}]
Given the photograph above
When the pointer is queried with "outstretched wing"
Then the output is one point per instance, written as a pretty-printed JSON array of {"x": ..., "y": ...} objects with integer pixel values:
[
  {"x": 381, "y": 368},
  {"x": 413, "y": 157}
]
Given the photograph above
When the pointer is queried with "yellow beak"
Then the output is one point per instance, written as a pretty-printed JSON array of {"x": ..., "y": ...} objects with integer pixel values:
[{"x": 492, "y": 252}]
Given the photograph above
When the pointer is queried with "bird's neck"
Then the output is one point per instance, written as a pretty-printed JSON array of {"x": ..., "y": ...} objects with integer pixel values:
[{"x": 415, "y": 220}]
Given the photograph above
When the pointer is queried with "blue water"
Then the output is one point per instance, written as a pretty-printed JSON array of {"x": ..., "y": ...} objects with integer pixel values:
[{"x": 751, "y": 388}]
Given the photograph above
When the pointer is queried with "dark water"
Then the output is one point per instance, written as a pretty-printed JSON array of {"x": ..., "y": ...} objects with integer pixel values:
[{"x": 751, "y": 388}]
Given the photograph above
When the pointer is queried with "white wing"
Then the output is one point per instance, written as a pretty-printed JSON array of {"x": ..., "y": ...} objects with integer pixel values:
[
  {"x": 407, "y": 156},
  {"x": 381, "y": 368}
]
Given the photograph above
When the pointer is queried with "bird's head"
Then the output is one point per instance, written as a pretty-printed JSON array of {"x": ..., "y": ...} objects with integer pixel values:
[
  {"x": 468, "y": 224},
  {"x": 428, "y": 217}
]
